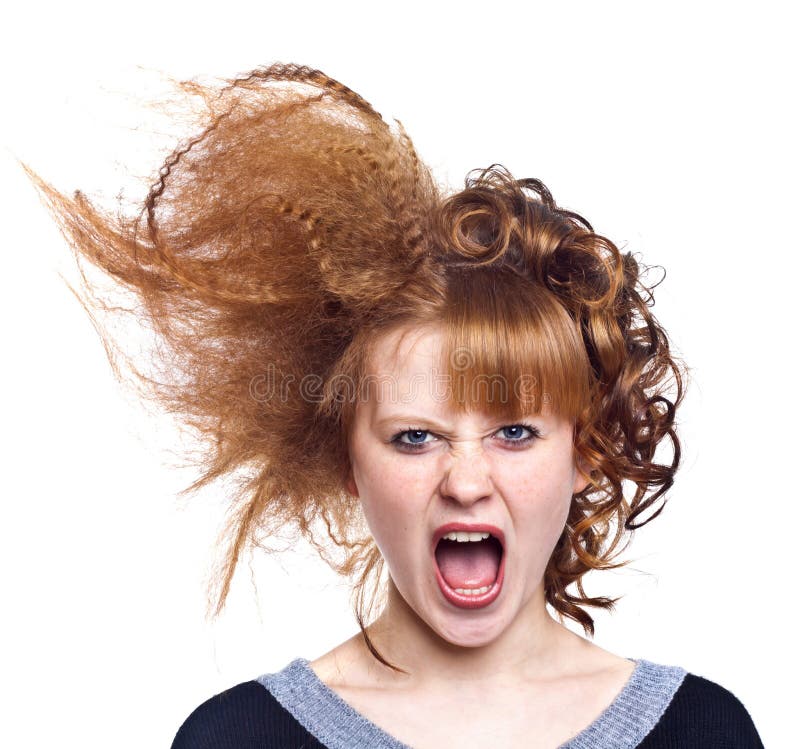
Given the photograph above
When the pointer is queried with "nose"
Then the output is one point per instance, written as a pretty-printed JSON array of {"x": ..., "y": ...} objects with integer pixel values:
[{"x": 466, "y": 480}]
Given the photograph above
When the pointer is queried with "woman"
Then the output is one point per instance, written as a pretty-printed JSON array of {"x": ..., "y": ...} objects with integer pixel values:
[{"x": 470, "y": 388}]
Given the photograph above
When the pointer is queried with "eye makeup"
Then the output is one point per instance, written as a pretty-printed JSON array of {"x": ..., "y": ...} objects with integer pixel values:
[{"x": 418, "y": 432}]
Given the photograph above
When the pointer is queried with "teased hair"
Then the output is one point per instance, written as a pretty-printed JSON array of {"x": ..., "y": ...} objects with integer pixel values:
[{"x": 294, "y": 229}]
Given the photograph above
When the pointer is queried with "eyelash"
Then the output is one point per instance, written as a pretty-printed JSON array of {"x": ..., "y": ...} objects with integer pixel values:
[{"x": 417, "y": 446}]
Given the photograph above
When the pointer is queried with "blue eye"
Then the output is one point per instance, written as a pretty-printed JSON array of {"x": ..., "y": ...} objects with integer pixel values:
[
  {"x": 516, "y": 429},
  {"x": 514, "y": 435},
  {"x": 416, "y": 437}
]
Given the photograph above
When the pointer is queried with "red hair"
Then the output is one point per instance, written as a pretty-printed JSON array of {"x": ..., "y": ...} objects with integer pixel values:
[{"x": 293, "y": 230}]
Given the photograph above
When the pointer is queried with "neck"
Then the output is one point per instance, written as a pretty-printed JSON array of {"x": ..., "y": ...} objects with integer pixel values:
[{"x": 534, "y": 646}]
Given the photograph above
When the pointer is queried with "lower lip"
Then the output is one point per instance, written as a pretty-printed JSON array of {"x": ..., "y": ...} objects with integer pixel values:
[{"x": 472, "y": 602}]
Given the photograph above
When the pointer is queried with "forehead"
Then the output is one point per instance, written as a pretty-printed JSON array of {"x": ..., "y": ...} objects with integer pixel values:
[
  {"x": 406, "y": 350},
  {"x": 407, "y": 377},
  {"x": 509, "y": 356},
  {"x": 405, "y": 365}
]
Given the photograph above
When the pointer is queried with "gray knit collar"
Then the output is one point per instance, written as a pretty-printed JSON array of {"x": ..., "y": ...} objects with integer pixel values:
[{"x": 337, "y": 725}]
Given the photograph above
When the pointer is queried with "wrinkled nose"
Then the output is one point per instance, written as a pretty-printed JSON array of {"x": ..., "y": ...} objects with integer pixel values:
[{"x": 467, "y": 478}]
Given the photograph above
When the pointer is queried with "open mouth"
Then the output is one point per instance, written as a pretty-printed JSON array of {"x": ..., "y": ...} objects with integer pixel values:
[{"x": 469, "y": 564}]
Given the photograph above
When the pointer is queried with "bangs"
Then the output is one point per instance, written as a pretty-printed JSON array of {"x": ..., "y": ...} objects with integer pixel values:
[{"x": 510, "y": 348}]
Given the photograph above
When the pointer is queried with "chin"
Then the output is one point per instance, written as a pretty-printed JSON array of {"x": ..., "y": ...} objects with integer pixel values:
[{"x": 470, "y": 634}]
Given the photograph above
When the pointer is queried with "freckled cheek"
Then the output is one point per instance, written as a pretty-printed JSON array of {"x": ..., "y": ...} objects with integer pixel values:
[
  {"x": 393, "y": 531},
  {"x": 540, "y": 512},
  {"x": 394, "y": 503},
  {"x": 399, "y": 483}
]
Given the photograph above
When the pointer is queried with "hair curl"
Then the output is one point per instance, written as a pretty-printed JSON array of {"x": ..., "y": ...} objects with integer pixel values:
[{"x": 297, "y": 227}]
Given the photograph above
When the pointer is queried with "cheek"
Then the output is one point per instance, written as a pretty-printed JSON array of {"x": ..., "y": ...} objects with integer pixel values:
[
  {"x": 390, "y": 526},
  {"x": 393, "y": 481},
  {"x": 542, "y": 506},
  {"x": 392, "y": 500}
]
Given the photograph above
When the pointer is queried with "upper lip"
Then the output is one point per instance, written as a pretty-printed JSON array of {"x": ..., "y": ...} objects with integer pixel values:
[{"x": 472, "y": 528}]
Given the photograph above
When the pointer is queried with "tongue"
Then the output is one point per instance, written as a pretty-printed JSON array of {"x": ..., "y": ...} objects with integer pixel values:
[{"x": 468, "y": 564}]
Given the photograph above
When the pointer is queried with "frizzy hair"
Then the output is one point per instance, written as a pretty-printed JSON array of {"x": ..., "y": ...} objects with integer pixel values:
[{"x": 298, "y": 226}]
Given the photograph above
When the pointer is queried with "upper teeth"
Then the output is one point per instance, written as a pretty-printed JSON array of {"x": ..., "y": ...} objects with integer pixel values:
[{"x": 465, "y": 536}]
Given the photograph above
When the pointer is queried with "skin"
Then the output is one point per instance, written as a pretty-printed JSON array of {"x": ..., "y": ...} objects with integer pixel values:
[{"x": 470, "y": 468}]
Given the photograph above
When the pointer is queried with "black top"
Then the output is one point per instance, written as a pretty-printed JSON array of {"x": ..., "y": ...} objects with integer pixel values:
[{"x": 701, "y": 715}]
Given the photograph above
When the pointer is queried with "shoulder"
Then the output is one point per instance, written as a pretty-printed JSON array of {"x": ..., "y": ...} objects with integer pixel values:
[
  {"x": 246, "y": 716},
  {"x": 704, "y": 714}
]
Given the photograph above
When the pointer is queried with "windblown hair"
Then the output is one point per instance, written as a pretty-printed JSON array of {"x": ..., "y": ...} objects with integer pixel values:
[{"x": 296, "y": 228}]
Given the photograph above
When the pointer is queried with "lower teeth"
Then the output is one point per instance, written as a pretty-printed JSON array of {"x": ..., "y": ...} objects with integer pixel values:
[{"x": 473, "y": 591}]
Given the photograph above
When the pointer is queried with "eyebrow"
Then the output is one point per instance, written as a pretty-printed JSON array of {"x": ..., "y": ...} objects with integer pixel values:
[
  {"x": 426, "y": 422},
  {"x": 411, "y": 419}
]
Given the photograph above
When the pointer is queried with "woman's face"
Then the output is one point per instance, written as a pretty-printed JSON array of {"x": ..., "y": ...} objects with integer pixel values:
[{"x": 418, "y": 466}]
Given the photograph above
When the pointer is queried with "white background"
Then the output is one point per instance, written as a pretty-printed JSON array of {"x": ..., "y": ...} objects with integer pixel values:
[{"x": 671, "y": 127}]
